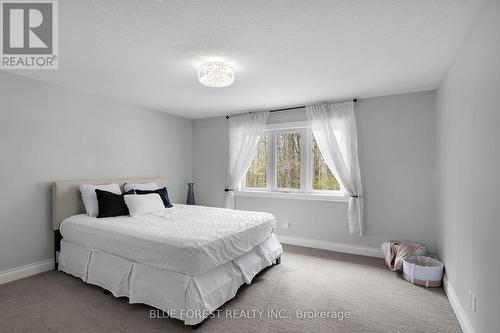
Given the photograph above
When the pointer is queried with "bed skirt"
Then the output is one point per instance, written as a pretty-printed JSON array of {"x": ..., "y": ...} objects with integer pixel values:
[{"x": 184, "y": 297}]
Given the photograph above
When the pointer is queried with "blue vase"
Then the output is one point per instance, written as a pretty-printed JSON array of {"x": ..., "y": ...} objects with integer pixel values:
[{"x": 190, "y": 197}]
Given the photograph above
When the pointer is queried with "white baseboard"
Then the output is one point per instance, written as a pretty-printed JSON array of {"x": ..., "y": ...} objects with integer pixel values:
[
  {"x": 457, "y": 307},
  {"x": 26, "y": 270},
  {"x": 333, "y": 246}
]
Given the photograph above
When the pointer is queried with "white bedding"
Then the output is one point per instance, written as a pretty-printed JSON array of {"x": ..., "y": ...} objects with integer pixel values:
[
  {"x": 188, "y": 298},
  {"x": 186, "y": 239}
]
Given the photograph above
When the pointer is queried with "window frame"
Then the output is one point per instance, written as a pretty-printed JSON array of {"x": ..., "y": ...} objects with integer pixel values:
[{"x": 306, "y": 192}]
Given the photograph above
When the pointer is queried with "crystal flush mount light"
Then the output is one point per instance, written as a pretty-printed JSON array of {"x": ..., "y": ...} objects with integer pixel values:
[{"x": 216, "y": 74}]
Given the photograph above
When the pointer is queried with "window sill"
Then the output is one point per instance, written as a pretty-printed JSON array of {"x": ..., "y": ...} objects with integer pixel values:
[{"x": 292, "y": 195}]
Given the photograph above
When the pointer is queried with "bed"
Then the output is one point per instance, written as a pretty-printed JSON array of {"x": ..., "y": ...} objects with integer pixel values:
[{"x": 186, "y": 261}]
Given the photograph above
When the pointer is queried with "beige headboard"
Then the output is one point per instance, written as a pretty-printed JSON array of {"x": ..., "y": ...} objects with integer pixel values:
[{"x": 67, "y": 201}]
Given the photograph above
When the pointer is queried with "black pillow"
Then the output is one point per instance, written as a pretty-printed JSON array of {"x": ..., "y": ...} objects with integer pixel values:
[
  {"x": 111, "y": 204},
  {"x": 163, "y": 195}
]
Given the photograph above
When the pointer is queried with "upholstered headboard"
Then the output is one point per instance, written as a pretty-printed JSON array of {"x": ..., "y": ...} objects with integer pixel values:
[{"x": 67, "y": 201}]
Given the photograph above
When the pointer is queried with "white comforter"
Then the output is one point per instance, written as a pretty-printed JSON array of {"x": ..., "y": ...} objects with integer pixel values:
[{"x": 185, "y": 239}]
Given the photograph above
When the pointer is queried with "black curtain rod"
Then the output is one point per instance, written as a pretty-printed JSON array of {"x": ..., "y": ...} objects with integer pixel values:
[{"x": 293, "y": 108}]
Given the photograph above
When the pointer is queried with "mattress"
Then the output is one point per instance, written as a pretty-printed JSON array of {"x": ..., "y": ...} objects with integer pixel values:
[{"x": 186, "y": 239}]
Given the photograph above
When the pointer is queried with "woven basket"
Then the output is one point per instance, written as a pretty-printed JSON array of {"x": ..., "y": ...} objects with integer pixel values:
[{"x": 423, "y": 271}]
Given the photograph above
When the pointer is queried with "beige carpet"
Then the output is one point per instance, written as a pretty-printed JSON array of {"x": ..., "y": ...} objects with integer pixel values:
[{"x": 378, "y": 301}]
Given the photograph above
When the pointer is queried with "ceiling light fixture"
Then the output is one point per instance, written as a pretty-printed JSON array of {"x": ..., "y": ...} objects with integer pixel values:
[{"x": 216, "y": 74}]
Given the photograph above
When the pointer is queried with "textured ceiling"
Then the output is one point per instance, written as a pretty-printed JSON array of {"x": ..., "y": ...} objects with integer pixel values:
[{"x": 284, "y": 52}]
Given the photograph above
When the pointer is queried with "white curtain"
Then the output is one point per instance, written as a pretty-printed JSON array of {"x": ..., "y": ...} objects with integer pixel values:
[
  {"x": 244, "y": 135},
  {"x": 334, "y": 128}
]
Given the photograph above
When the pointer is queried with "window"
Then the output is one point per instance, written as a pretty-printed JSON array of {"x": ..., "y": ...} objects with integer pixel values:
[
  {"x": 323, "y": 179},
  {"x": 288, "y": 154},
  {"x": 288, "y": 163},
  {"x": 257, "y": 173}
]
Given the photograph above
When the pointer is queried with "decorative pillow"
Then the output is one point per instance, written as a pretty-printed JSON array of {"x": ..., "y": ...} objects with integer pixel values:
[
  {"x": 90, "y": 199},
  {"x": 144, "y": 186},
  {"x": 143, "y": 204},
  {"x": 111, "y": 204},
  {"x": 163, "y": 195}
]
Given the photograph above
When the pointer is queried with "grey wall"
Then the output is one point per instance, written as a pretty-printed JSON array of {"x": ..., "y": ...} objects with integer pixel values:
[
  {"x": 397, "y": 157},
  {"x": 469, "y": 162},
  {"x": 50, "y": 133}
]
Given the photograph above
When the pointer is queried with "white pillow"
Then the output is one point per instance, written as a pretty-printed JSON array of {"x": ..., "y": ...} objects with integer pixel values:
[
  {"x": 143, "y": 204},
  {"x": 90, "y": 198},
  {"x": 143, "y": 187}
]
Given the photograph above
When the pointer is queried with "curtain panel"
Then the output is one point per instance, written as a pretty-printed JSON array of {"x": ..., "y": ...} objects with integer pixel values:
[
  {"x": 334, "y": 128},
  {"x": 245, "y": 132}
]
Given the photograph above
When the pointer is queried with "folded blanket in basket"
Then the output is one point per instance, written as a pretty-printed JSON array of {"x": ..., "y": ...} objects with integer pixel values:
[{"x": 396, "y": 251}]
